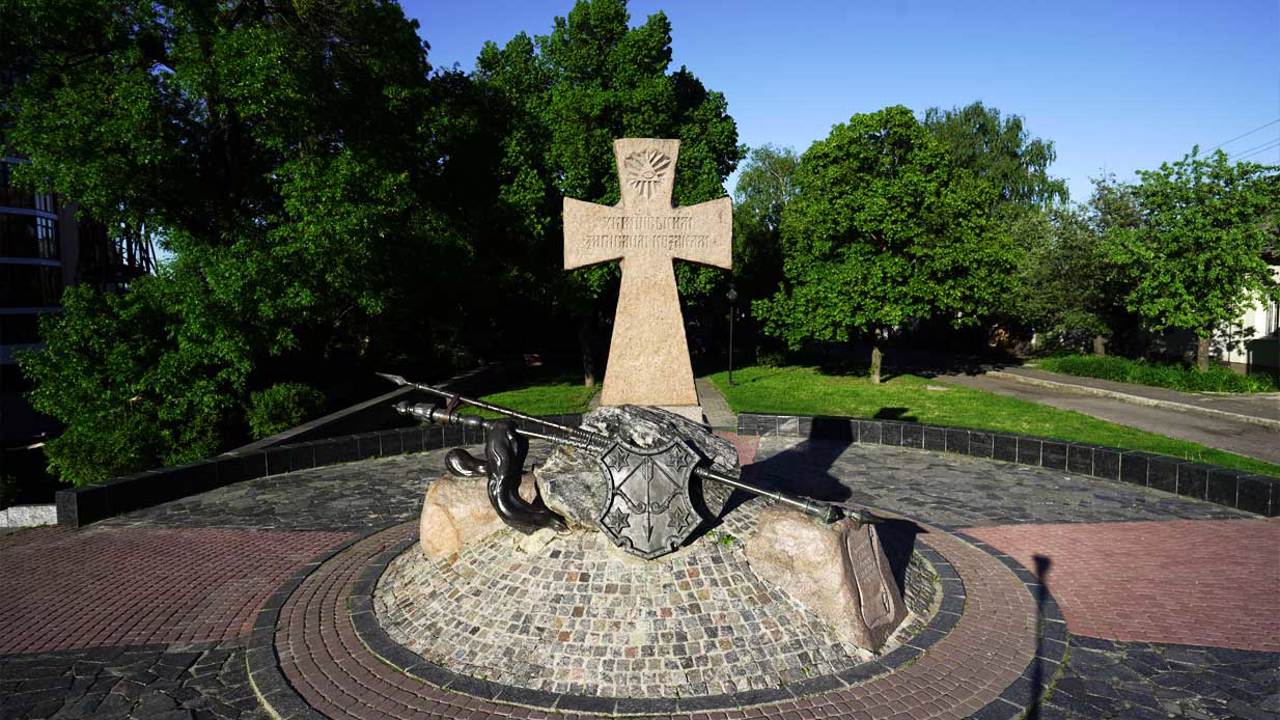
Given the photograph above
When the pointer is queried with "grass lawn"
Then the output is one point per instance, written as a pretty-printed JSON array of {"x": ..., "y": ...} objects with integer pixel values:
[
  {"x": 560, "y": 395},
  {"x": 808, "y": 391}
]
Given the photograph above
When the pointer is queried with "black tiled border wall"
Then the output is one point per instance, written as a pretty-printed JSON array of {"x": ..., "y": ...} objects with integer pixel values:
[
  {"x": 1252, "y": 493},
  {"x": 81, "y": 506}
]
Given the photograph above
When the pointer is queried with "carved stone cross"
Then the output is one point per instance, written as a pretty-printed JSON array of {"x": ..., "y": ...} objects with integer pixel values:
[{"x": 649, "y": 354}]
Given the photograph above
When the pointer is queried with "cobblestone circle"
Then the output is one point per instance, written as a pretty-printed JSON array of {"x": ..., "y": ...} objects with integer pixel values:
[
  {"x": 1102, "y": 678},
  {"x": 579, "y": 616},
  {"x": 991, "y": 648}
]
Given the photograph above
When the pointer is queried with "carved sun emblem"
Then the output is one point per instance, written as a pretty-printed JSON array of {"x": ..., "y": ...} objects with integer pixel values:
[{"x": 645, "y": 170}]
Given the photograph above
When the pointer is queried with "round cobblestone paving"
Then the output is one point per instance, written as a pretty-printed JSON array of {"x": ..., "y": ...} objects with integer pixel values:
[
  {"x": 995, "y": 643},
  {"x": 580, "y": 616}
]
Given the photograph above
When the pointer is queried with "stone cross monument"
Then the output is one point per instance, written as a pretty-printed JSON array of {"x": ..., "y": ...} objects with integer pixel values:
[{"x": 649, "y": 354}]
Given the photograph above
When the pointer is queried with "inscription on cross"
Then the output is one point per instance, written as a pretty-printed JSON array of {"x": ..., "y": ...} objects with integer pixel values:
[{"x": 649, "y": 353}]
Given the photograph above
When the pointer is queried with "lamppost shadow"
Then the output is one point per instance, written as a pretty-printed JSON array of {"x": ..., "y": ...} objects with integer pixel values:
[{"x": 1042, "y": 564}]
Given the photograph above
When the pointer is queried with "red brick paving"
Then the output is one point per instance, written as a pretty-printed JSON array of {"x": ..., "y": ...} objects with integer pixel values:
[
  {"x": 63, "y": 589},
  {"x": 990, "y": 646},
  {"x": 747, "y": 445},
  {"x": 1194, "y": 582}
]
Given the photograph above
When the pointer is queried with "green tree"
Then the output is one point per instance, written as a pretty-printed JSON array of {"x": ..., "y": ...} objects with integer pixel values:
[
  {"x": 765, "y": 185},
  {"x": 557, "y": 102},
  {"x": 1070, "y": 290},
  {"x": 999, "y": 150},
  {"x": 884, "y": 230},
  {"x": 1195, "y": 252},
  {"x": 279, "y": 151}
]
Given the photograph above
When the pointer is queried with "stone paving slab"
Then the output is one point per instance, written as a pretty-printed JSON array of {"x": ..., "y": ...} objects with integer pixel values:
[
  {"x": 714, "y": 406},
  {"x": 351, "y": 497},
  {"x": 1194, "y": 582},
  {"x": 1108, "y": 680},
  {"x": 102, "y": 587},
  {"x": 203, "y": 680},
  {"x": 961, "y": 491}
]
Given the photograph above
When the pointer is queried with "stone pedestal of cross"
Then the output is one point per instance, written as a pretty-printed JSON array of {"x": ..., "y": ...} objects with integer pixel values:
[{"x": 649, "y": 354}]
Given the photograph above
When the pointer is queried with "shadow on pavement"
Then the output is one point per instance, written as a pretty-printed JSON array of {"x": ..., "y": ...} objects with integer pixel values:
[
  {"x": 806, "y": 470},
  {"x": 1037, "y": 665}
]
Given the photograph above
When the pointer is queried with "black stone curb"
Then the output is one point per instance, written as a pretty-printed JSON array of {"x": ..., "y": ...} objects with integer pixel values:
[
  {"x": 81, "y": 506},
  {"x": 1037, "y": 680},
  {"x": 1258, "y": 494},
  {"x": 282, "y": 699}
]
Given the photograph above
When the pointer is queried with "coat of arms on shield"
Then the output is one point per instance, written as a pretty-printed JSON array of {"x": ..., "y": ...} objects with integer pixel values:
[{"x": 649, "y": 512}]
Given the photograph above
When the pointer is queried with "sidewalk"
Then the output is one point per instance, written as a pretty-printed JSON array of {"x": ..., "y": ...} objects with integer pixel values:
[
  {"x": 1204, "y": 423},
  {"x": 1260, "y": 406},
  {"x": 714, "y": 406}
]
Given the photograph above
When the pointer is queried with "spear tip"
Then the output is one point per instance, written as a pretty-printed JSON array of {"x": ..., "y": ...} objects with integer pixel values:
[{"x": 397, "y": 379}]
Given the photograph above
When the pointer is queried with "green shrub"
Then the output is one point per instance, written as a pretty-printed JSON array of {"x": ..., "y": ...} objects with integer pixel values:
[
  {"x": 1166, "y": 375},
  {"x": 281, "y": 407}
]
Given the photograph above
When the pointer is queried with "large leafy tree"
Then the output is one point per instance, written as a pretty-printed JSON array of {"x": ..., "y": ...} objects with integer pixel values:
[
  {"x": 557, "y": 102},
  {"x": 1195, "y": 251},
  {"x": 765, "y": 185},
  {"x": 884, "y": 230},
  {"x": 999, "y": 150},
  {"x": 278, "y": 150},
  {"x": 1070, "y": 288}
]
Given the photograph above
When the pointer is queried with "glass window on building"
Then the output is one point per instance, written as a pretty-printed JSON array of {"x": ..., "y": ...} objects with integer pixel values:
[
  {"x": 27, "y": 236},
  {"x": 11, "y": 197},
  {"x": 30, "y": 285}
]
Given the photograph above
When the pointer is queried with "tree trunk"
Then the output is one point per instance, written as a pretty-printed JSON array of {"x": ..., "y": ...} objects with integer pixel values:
[
  {"x": 588, "y": 360},
  {"x": 1202, "y": 354},
  {"x": 876, "y": 357},
  {"x": 1099, "y": 345}
]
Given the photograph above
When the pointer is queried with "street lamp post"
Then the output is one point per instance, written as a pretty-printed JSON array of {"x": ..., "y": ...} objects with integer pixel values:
[{"x": 732, "y": 295}]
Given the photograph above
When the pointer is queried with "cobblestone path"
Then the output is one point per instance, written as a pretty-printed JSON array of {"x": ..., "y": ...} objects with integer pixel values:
[{"x": 1170, "y": 602}]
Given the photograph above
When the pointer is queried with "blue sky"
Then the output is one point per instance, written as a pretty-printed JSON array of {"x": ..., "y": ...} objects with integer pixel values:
[{"x": 1117, "y": 86}]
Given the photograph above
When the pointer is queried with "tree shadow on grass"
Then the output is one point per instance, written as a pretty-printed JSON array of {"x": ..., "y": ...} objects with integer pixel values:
[{"x": 919, "y": 362}]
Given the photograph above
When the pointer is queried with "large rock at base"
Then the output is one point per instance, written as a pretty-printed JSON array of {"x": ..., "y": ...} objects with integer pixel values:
[
  {"x": 839, "y": 572},
  {"x": 456, "y": 512},
  {"x": 572, "y": 483}
]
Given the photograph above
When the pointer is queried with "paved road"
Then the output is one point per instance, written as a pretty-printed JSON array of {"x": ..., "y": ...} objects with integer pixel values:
[{"x": 1223, "y": 433}]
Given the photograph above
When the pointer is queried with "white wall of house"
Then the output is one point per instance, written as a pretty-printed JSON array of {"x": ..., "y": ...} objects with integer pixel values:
[{"x": 1261, "y": 347}]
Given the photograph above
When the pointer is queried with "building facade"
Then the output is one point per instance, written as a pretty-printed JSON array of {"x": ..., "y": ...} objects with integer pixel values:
[
  {"x": 1259, "y": 347},
  {"x": 33, "y": 231},
  {"x": 44, "y": 248}
]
